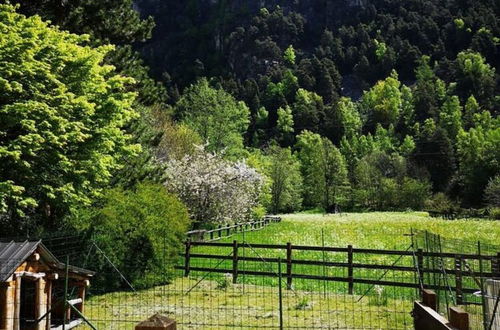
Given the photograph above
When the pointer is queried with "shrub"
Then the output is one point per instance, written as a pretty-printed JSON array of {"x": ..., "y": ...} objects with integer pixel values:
[
  {"x": 492, "y": 192},
  {"x": 495, "y": 213},
  {"x": 414, "y": 193},
  {"x": 440, "y": 203},
  {"x": 141, "y": 231}
]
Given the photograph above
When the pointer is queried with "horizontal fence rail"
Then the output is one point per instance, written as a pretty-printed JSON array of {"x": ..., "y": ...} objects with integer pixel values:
[
  {"x": 418, "y": 268},
  {"x": 224, "y": 231}
]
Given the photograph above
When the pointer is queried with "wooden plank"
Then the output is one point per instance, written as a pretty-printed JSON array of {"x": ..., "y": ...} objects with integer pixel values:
[
  {"x": 235, "y": 261},
  {"x": 429, "y": 298},
  {"x": 354, "y": 250},
  {"x": 17, "y": 304},
  {"x": 75, "y": 301},
  {"x": 40, "y": 304},
  {"x": 327, "y": 278},
  {"x": 288, "y": 265},
  {"x": 69, "y": 325},
  {"x": 186, "y": 258},
  {"x": 350, "y": 269},
  {"x": 420, "y": 265},
  {"x": 458, "y": 279},
  {"x": 425, "y": 318}
]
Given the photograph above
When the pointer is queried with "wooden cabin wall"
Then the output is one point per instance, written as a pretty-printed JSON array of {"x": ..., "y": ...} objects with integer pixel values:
[{"x": 7, "y": 304}]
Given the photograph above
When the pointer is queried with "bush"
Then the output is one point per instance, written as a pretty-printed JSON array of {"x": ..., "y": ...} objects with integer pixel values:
[
  {"x": 495, "y": 213},
  {"x": 440, "y": 203},
  {"x": 141, "y": 231},
  {"x": 414, "y": 193},
  {"x": 492, "y": 192}
]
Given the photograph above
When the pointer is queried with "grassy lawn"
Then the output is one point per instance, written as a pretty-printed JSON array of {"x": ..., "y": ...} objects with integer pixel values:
[
  {"x": 209, "y": 306},
  {"x": 377, "y": 230},
  {"x": 216, "y": 303}
]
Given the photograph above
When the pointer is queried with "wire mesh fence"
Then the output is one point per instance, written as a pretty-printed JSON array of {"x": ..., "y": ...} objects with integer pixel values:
[
  {"x": 461, "y": 280},
  {"x": 214, "y": 285}
]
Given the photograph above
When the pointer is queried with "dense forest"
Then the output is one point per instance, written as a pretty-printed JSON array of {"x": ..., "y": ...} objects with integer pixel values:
[{"x": 117, "y": 114}]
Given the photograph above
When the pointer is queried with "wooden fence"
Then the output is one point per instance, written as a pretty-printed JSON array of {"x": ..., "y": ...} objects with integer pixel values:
[
  {"x": 459, "y": 272},
  {"x": 223, "y": 231}
]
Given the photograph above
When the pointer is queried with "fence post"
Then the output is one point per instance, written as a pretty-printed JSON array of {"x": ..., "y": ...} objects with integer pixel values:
[
  {"x": 235, "y": 261},
  {"x": 495, "y": 266},
  {"x": 429, "y": 298},
  {"x": 288, "y": 265},
  {"x": 280, "y": 295},
  {"x": 420, "y": 263},
  {"x": 219, "y": 229},
  {"x": 350, "y": 269},
  {"x": 187, "y": 257},
  {"x": 211, "y": 235},
  {"x": 458, "y": 279},
  {"x": 459, "y": 319}
]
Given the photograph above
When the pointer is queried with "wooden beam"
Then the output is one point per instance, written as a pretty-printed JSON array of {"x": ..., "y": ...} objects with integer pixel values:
[
  {"x": 75, "y": 301},
  {"x": 40, "y": 304},
  {"x": 425, "y": 318},
  {"x": 69, "y": 325},
  {"x": 17, "y": 305},
  {"x": 429, "y": 298},
  {"x": 81, "y": 295},
  {"x": 459, "y": 318},
  {"x": 48, "y": 290},
  {"x": 30, "y": 275},
  {"x": 53, "y": 276}
]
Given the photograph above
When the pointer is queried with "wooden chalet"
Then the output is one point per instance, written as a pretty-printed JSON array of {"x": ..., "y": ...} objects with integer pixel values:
[{"x": 32, "y": 286}]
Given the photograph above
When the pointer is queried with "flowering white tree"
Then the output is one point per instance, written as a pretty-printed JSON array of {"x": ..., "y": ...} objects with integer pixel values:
[{"x": 214, "y": 190}]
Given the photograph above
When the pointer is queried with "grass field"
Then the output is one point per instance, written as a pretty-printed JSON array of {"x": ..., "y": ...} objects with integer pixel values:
[
  {"x": 208, "y": 306},
  {"x": 377, "y": 230},
  {"x": 252, "y": 302}
]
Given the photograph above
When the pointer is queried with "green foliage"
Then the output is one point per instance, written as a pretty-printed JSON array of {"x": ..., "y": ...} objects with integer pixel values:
[
  {"x": 215, "y": 115},
  {"x": 382, "y": 183},
  {"x": 492, "y": 192},
  {"x": 286, "y": 182},
  {"x": 441, "y": 203},
  {"x": 382, "y": 104},
  {"x": 429, "y": 90},
  {"x": 475, "y": 77},
  {"x": 478, "y": 152},
  {"x": 285, "y": 120},
  {"x": 140, "y": 230},
  {"x": 99, "y": 20},
  {"x": 289, "y": 55},
  {"x": 450, "y": 117},
  {"x": 177, "y": 141},
  {"x": 324, "y": 171},
  {"x": 62, "y": 113},
  {"x": 414, "y": 193},
  {"x": 307, "y": 110}
]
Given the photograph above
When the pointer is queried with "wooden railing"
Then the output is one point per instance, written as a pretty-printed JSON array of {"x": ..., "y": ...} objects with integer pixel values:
[
  {"x": 223, "y": 231},
  {"x": 418, "y": 268}
]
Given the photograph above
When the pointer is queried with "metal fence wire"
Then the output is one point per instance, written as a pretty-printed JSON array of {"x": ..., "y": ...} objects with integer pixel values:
[
  {"x": 240, "y": 284},
  {"x": 451, "y": 275}
]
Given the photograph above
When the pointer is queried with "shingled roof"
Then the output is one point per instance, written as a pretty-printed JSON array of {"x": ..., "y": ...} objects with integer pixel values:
[{"x": 13, "y": 254}]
